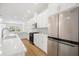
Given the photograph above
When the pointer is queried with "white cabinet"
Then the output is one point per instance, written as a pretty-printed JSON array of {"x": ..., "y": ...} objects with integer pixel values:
[
  {"x": 42, "y": 20},
  {"x": 33, "y": 21},
  {"x": 36, "y": 39},
  {"x": 29, "y": 25},
  {"x": 44, "y": 42},
  {"x": 53, "y": 8},
  {"x": 40, "y": 40},
  {"x": 66, "y": 6}
]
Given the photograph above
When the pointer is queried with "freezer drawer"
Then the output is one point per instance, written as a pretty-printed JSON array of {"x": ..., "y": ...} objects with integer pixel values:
[
  {"x": 66, "y": 49},
  {"x": 52, "y": 47}
]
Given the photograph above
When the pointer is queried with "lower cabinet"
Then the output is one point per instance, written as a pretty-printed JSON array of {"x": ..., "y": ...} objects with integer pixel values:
[
  {"x": 36, "y": 39},
  {"x": 40, "y": 40},
  {"x": 42, "y": 19}
]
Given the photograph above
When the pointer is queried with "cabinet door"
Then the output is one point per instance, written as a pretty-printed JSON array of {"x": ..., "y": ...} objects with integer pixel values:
[
  {"x": 68, "y": 25},
  {"x": 68, "y": 50},
  {"x": 66, "y": 6},
  {"x": 44, "y": 42},
  {"x": 39, "y": 21},
  {"x": 42, "y": 20},
  {"x": 53, "y": 25},
  {"x": 52, "y": 47},
  {"x": 40, "y": 42},
  {"x": 36, "y": 38},
  {"x": 53, "y": 8}
]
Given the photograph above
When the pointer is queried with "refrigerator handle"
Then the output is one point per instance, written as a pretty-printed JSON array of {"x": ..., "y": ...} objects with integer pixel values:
[{"x": 72, "y": 45}]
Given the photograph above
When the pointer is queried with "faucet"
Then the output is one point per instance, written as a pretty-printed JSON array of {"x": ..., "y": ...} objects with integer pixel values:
[
  {"x": 3, "y": 32},
  {"x": 2, "y": 35}
]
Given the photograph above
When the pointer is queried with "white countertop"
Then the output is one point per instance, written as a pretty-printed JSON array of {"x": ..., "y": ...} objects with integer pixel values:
[{"x": 12, "y": 46}]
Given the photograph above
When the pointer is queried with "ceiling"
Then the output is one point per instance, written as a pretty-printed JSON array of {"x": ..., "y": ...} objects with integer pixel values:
[{"x": 21, "y": 11}]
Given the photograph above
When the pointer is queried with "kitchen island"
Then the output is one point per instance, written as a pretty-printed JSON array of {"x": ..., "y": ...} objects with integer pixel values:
[{"x": 12, "y": 46}]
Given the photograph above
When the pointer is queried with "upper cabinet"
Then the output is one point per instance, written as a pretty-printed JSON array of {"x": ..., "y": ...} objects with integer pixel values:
[
  {"x": 54, "y": 8},
  {"x": 66, "y": 6},
  {"x": 32, "y": 22},
  {"x": 42, "y": 19}
]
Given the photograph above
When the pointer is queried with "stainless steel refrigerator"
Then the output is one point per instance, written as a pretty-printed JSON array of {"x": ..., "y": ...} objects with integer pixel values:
[{"x": 63, "y": 29}]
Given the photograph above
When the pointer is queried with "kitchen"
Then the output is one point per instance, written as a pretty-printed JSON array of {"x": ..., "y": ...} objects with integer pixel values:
[{"x": 51, "y": 28}]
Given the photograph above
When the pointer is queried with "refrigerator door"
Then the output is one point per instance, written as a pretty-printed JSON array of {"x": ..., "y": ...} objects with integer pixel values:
[
  {"x": 52, "y": 47},
  {"x": 53, "y": 32},
  {"x": 53, "y": 26},
  {"x": 68, "y": 25},
  {"x": 66, "y": 49}
]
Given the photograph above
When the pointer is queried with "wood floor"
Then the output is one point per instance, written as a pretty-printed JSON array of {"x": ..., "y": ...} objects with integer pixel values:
[{"x": 32, "y": 50}]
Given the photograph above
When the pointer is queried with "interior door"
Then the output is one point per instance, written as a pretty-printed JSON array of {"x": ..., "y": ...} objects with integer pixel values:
[{"x": 68, "y": 25}]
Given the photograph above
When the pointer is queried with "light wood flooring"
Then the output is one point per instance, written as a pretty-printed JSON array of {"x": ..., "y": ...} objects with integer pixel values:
[{"x": 32, "y": 50}]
